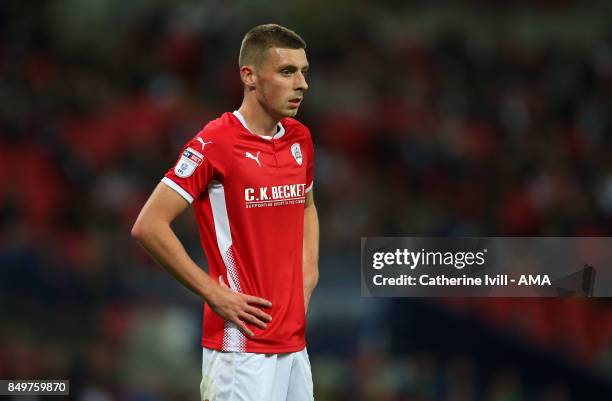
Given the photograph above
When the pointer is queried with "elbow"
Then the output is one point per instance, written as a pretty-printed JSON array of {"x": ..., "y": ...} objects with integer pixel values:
[
  {"x": 139, "y": 231},
  {"x": 316, "y": 278},
  {"x": 146, "y": 230},
  {"x": 312, "y": 277}
]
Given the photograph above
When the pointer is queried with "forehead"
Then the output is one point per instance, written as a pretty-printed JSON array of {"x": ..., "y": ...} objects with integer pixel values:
[{"x": 277, "y": 56}]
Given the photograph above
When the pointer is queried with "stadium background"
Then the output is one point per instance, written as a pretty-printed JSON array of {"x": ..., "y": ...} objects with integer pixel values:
[{"x": 431, "y": 118}]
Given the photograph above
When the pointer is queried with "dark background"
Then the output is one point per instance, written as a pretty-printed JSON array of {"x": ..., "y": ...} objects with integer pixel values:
[{"x": 430, "y": 118}]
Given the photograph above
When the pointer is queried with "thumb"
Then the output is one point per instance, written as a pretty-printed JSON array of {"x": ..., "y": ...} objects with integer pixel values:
[{"x": 221, "y": 281}]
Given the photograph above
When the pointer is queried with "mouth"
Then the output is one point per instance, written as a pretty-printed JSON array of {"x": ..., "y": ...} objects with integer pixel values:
[{"x": 295, "y": 101}]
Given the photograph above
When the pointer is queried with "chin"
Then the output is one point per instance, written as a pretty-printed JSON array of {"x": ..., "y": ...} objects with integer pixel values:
[{"x": 290, "y": 113}]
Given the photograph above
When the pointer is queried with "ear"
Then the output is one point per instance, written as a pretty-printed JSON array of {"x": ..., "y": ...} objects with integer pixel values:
[{"x": 248, "y": 76}]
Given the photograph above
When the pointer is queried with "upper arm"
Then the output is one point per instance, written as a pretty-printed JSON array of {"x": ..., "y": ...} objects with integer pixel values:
[
  {"x": 201, "y": 159},
  {"x": 164, "y": 205},
  {"x": 309, "y": 164},
  {"x": 309, "y": 199}
]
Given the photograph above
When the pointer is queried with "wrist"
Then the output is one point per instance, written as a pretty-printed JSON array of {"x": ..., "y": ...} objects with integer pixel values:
[{"x": 211, "y": 295}]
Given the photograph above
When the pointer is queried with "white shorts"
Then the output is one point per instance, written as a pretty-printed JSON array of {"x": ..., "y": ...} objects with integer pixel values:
[{"x": 247, "y": 376}]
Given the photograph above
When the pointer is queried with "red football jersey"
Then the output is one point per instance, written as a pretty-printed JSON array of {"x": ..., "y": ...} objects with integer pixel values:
[{"x": 248, "y": 193}]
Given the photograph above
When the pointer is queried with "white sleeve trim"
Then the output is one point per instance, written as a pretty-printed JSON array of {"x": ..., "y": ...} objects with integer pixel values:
[
  {"x": 310, "y": 187},
  {"x": 178, "y": 189}
]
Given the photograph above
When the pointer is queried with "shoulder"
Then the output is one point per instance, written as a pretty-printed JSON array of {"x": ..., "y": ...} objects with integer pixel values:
[
  {"x": 222, "y": 129},
  {"x": 291, "y": 124},
  {"x": 298, "y": 131},
  {"x": 215, "y": 140}
]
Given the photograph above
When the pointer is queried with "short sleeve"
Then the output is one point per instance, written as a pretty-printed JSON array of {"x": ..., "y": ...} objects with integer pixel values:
[
  {"x": 198, "y": 163},
  {"x": 309, "y": 164}
]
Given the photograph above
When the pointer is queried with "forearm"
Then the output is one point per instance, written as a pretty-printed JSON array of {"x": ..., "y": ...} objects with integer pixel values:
[
  {"x": 161, "y": 243},
  {"x": 310, "y": 265}
]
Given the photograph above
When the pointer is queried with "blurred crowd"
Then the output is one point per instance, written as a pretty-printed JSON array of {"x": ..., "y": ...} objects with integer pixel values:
[{"x": 423, "y": 125}]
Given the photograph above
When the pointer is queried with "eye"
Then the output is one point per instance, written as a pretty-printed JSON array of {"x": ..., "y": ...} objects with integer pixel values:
[{"x": 286, "y": 72}]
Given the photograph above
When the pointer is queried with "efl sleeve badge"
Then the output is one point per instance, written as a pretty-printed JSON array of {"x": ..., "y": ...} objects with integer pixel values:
[{"x": 189, "y": 161}]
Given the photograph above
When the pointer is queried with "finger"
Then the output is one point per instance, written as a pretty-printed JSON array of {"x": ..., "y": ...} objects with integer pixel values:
[
  {"x": 253, "y": 320},
  {"x": 258, "y": 301},
  {"x": 243, "y": 328},
  {"x": 259, "y": 313}
]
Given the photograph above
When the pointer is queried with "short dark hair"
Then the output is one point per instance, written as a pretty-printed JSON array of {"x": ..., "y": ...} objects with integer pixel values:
[{"x": 262, "y": 37}]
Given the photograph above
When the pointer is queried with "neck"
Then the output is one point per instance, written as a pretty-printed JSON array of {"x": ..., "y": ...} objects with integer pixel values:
[{"x": 259, "y": 121}]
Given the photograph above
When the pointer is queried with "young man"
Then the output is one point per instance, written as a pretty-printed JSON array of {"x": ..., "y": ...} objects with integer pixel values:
[{"x": 249, "y": 176}]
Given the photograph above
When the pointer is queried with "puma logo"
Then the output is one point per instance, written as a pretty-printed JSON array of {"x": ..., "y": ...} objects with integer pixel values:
[
  {"x": 203, "y": 143},
  {"x": 249, "y": 155}
]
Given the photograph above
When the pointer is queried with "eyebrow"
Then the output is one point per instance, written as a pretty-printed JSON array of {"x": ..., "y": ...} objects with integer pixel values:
[{"x": 293, "y": 67}]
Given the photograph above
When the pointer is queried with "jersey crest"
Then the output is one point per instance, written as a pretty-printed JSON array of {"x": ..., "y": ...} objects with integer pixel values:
[{"x": 296, "y": 151}]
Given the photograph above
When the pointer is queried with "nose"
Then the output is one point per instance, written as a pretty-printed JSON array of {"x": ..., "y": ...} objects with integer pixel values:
[{"x": 301, "y": 83}]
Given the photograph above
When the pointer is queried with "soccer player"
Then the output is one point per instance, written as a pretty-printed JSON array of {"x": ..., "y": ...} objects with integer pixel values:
[{"x": 249, "y": 176}]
